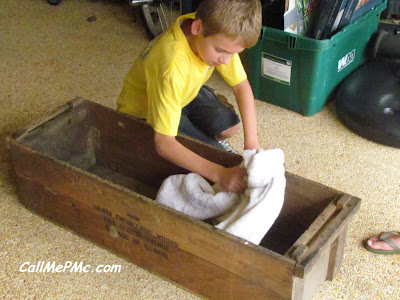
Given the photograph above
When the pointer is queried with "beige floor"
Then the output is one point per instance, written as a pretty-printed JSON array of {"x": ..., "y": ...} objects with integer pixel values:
[{"x": 49, "y": 55}]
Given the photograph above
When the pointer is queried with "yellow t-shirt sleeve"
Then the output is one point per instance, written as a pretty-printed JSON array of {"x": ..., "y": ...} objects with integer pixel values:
[
  {"x": 164, "y": 102},
  {"x": 233, "y": 72}
]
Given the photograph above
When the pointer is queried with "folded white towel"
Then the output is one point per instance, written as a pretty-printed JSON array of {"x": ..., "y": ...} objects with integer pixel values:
[
  {"x": 251, "y": 215},
  {"x": 194, "y": 196},
  {"x": 264, "y": 197}
]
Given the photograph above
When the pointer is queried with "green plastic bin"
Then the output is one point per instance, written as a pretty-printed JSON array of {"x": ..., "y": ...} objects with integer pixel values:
[{"x": 300, "y": 73}]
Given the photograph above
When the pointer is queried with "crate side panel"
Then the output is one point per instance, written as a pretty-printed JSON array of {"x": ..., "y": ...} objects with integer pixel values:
[
  {"x": 68, "y": 137},
  {"x": 137, "y": 244},
  {"x": 304, "y": 202},
  {"x": 259, "y": 266},
  {"x": 126, "y": 144}
]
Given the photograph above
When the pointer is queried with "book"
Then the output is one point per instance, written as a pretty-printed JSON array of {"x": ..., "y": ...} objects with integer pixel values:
[
  {"x": 328, "y": 13},
  {"x": 300, "y": 15},
  {"x": 287, "y": 5},
  {"x": 290, "y": 17},
  {"x": 347, "y": 14},
  {"x": 339, "y": 16},
  {"x": 363, "y": 6}
]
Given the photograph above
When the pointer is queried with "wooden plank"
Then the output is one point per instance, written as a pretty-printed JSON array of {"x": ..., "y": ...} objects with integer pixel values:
[
  {"x": 126, "y": 144},
  {"x": 323, "y": 258},
  {"x": 258, "y": 265},
  {"x": 140, "y": 134},
  {"x": 331, "y": 230},
  {"x": 154, "y": 253},
  {"x": 304, "y": 201},
  {"x": 59, "y": 111},
  {"x": 304, "y": 287},
  {"x": 301, "y": 245},
  {"x": 67, "y": 137},
  {"x": 336, "y": 254}
]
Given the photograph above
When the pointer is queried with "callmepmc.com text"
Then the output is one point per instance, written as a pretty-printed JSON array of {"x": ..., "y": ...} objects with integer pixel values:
[{"x": 68, "y": 266}]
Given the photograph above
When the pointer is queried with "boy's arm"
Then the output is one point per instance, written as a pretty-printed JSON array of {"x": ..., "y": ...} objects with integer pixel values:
[
  {"x": 245, "y": 99},
  {"x": 170, "y": 149}
]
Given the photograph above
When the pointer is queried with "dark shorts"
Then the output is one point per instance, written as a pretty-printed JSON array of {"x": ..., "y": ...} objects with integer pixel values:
[{"x": 206, "y": 117}]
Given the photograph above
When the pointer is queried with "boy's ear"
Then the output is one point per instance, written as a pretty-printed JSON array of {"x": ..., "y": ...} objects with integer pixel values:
[{"x": 197, "y": 27}]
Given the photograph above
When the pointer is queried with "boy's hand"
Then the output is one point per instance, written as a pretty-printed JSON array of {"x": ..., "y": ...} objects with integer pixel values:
[{"x": 232, "y": 179}]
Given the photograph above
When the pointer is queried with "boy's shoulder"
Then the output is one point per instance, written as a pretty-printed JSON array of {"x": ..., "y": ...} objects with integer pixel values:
[
  {"x": 168, "y": 44},
  {"x": 168, "y": 51}
]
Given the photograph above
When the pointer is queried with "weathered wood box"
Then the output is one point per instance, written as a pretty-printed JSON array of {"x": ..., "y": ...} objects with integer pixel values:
[{"x": 95, "y": 171}]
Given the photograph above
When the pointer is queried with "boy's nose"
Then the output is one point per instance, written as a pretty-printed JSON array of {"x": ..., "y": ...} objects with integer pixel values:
[{"x": 224, "y": 60}]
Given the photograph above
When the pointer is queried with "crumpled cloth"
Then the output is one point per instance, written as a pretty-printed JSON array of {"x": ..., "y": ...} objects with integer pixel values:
[{"x": 249, "y": 215}]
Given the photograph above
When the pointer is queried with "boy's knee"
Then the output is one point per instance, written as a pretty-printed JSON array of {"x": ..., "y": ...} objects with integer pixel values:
[{"x": 228, "y": 133}]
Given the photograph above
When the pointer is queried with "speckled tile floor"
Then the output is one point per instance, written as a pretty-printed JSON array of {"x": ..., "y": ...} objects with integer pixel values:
[{"x": 50, "y": 55}]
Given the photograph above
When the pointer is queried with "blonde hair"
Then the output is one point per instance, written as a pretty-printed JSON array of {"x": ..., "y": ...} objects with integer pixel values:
[{"x": 238, "y": 19}]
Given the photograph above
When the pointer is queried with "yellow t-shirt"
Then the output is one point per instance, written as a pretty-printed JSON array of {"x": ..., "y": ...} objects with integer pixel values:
[{"x": 167, "y": 76}]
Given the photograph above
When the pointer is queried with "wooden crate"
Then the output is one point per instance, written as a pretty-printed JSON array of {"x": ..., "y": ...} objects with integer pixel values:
[{"x": 95, "y": 171}]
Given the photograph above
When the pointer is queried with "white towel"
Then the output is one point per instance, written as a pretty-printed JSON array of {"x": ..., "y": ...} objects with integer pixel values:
[
  {"x": 194, "y": 196},
  {"x": 249, "y": 215},
  {"x": 263, "y": 198}
]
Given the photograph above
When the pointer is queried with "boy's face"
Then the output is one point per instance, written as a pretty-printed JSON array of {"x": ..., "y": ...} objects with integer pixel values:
[{"x": 215, "y": 49}]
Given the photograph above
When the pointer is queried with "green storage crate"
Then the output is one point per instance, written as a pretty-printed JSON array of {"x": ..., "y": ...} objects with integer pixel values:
[{"x": 300, "y": 73}]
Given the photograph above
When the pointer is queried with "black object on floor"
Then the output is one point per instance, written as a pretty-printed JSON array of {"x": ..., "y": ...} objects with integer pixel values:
[{"x": 368, "y": 100}]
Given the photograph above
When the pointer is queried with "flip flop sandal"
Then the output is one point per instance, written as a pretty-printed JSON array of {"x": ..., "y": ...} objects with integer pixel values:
[{"x": 384, "y": 237}]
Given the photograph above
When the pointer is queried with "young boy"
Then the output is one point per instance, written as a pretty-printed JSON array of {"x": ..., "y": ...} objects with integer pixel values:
[{"x": 165, "y": 83}]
